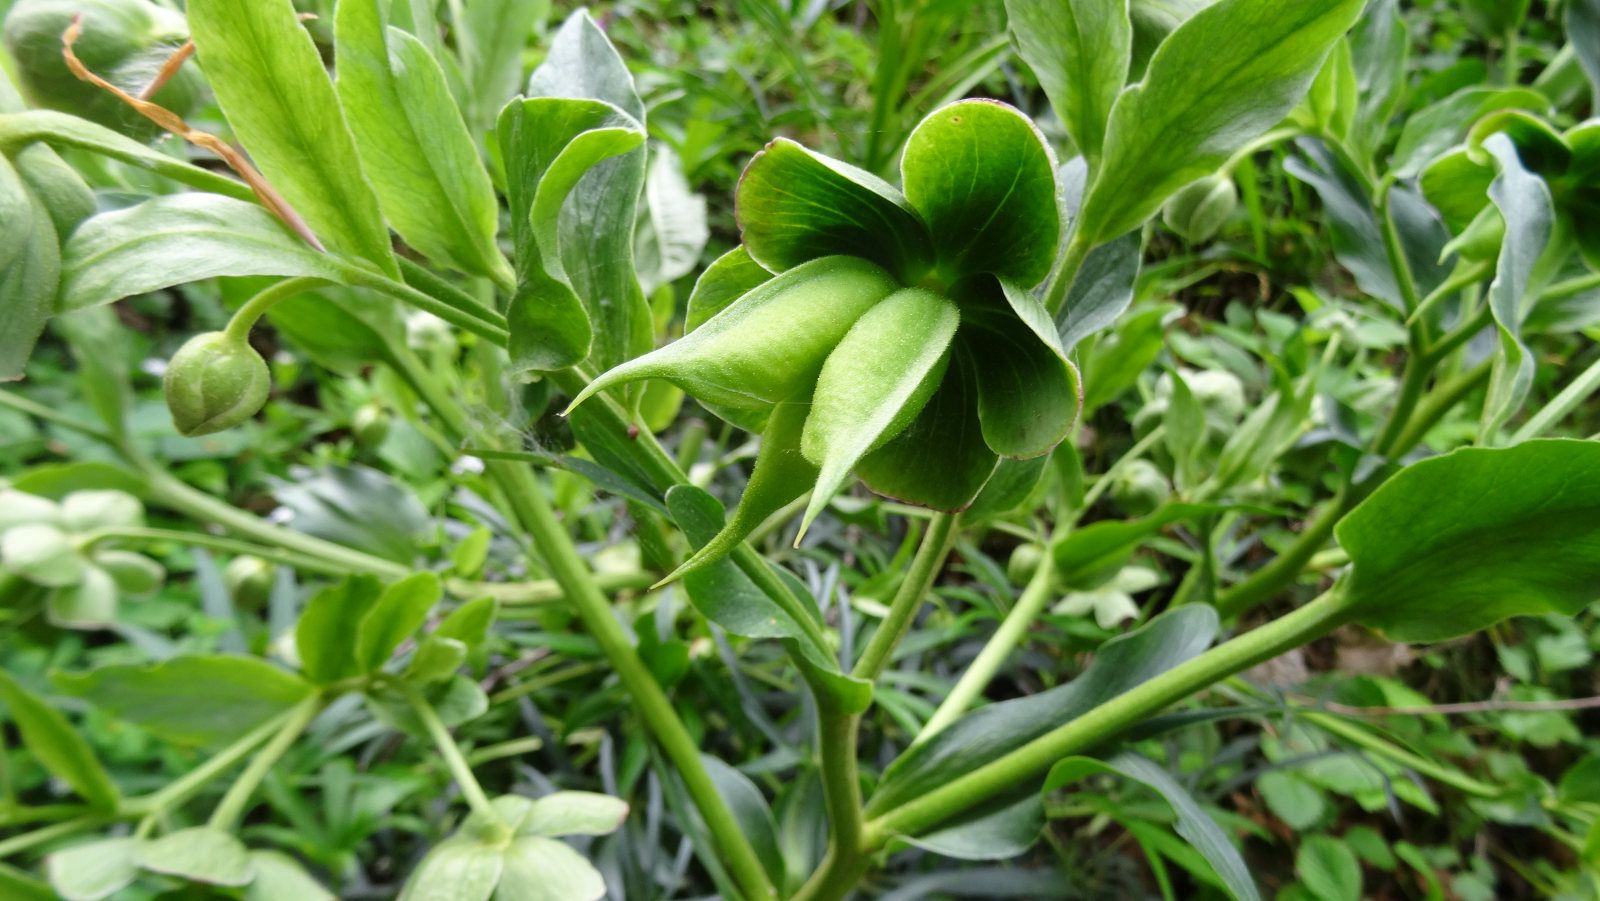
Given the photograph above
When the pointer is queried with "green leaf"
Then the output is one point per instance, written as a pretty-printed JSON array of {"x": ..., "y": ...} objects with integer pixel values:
[
  {"x": 1441, "y": 125},
  {"x": 194, "y": 699},
  {"x": 457, "y": 700},
  {"x": 280, "y": 877},
  {"x": 398, "y": 613},
  {"x": 100, "y": 346},
  {"x": 994, "y": 831},
  {"x": 572, "y": 813},
  {"x": 271, "y": 85},
  {"x": 199, "y": 854},
  {"x": 672, "y": 228},
  {"x": 795, "y": 205},
  {"x": 57, "y": 745},
  {"x": 457, "y": 869},
  {"x": 730, "y": 277},
  {"x": 1227, "y": 74},
  {"x": 94, "y": 871},
  {"x": 491, "y": 45},
  {"x": 1456, "y": 543},
  {"x": 1028, "y": 393},
  {"x": 1526, "y": 206},
  {"x": 1328, "y": 868},
  {"x": 990, "y": 732},
  {"x": 1101, "y": 291},
  {"x": 30, "y": 271},
  {"x": 338, "y": 328},
  {"x": 1193, "y": 824},
  {"x": 749, "y": 808},
  {"x": 597, "y": 220},
  {"x": 1583, "y": 30},
  {"x": 984, "y": 180},
  {"x": 56, "y": 481},
  {"x": 1079, "y": 51},
  {"x": 413, "y": 143},
  {"x": 469, "y": 623},
  {"x": 42, "y": 554},
  {"x": 436, "y": 659},
  {"x": 770, "y": 345},
  {"x": 873, "y": 385},
  {"x": 176, "y": 239},
  {"x": 15, "y": 885},
  {"x": 326, "y": 635},
  {"x": 940, "y": 460},
  {"x": 542, "y": 869},
  {"x": 1185, "y": 423}
]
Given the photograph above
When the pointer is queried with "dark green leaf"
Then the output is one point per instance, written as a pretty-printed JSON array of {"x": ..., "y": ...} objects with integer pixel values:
[
  {"x": 1101, "y": 291},
  {"x": 30, "y": 270},
  {"x": 1079, "y": 50},
  {"x": 749, "y": 809},
  {"x": 1329, "y": 868},
  {"x": 721, "y": 591},
  {"x": 326, "y": 636},
  {"x": 940, "y": 460},
  {"x": 177, "y": 239},
  {"x": 16, "y": 885},
  {"x": 397, "y": 614},
  {"x": 1028, "y": 393},
  {"x": 57, "y": 746},
  {"x": 990, "y": 732},
  {"x": 192, "y": 699},
  {"x": 271, "y": 85},
  {"x": 1456, "y": 543},
  {"x": 1442, "y": 125},
  {"x": 993, "y": 831},
  {"x": 357, "y": 507},
  {"x": 1227, "y": 74},
  {"x": 100, "y": 347},
  {"x": 984, "y": 181},
  {"x": 415, "y": 148}
]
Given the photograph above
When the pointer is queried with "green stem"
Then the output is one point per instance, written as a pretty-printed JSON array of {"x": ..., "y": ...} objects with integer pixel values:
[
  {"x": 1110, "y": 718},
  {"x": 227, "y": 545},
  {"x": 843, "y": 864},
  {"x": 1103, "y": 483},
  {"x": 232, "y": 805},
  {"x": 1459, "y": 279},
  {"x": 54, "y": 417},
  {"x": 1078, "y": 247},
  {"x": 446, "y": 744},
  {"x": 424, "y": 280},
  {"x": 468, "y": 320},
  {"x": 18, "y": 844},
  {"x": 244, "y": 319},
  {"x": 918, "y": 580},
  {"x": 1439, "y": 402},
  {"x": 1413, "y": 382},
  {"x": 981, "y": 672},
  {"x": 1460, "y": 335},
  {"x": 1565, "y": 402},
  {"x": 1287, "y": 566}
]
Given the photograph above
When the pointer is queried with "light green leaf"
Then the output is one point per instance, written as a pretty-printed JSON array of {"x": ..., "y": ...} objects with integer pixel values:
[
  {"x": 30, "y": 270},
  {"x": 730, "y": 277},
  {"x": 1328, "y": 868},
  {"x": 413, "y": 143},
  {"x": 874, "y": 384},
  {"x": 1227, "y": 74},
  {"x": 176, "y": 239},
  {"x": 436, "y": 659},
  {"x": 940, "y": 460},
  {"x": 396, "y": 615},
  {"x": 990, "y": 732},
  {"x": 672, "y": 228},
  {"x": 42, "y": 554},
  {"x": 457, "y": 700},
  {"x": 543, "y": 869},
  {"x": 796, "y": 205},
  {"x": 573, "y": 813},
  {"x": 1185, "y": 423},
  {"x": 272, "y": 87},
  {"x": 984, "y": 180},
  {"x": 1079, "y": 50},
  {"x": 492, "y": 42},
  {"x": 280, "y": 877},
  {"x": 1456, "y": 543},
  {"x": 194, "y": 699},
  {"x": 1193, "y": 824},
  {"x": 326, "y": 635},
  {"x": 94, "y": 871},
  {"x": 199, "y": 854},
  {"x": 1528, "y": 210},
  {"x": 469, "y": 623},
  {"x": 58, "y": 746},
  {"x": 458, "y": 869}
]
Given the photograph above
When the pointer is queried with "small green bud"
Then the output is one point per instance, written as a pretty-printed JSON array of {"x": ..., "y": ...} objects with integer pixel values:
[
  {"x": 1197, "y": 211},
  {"x": 90, "y": 604},
  {"x": 214, "y": 382},
  {"x": 85, "y": 511},
  {"x": 42, "y": 554},
  {"x": 1140, "y": 488},
  {"x": 370, "y": 425},
  {"x": 1024, "y": 563},
  {"x": 1220, "y": 394},
  {"x": 249, "y": 581},
  {"x": 18, "y": 508},
  {"x": 134, "y": 574}
]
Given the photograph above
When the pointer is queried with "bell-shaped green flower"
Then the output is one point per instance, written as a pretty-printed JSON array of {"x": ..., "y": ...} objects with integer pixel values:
[
  {"x": 891, "y": 334},
  {"x": 214, "y": 382}
]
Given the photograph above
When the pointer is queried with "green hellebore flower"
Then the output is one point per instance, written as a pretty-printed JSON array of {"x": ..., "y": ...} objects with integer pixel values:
[
  {"x": 886, "y": 333},
  {"x": 214, "y": 382}
]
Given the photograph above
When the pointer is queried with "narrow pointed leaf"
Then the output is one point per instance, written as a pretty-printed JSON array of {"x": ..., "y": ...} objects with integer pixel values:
[
  {"x": 874, "y": 384},
  {"x": 176, "y": 239},
  {"x": 398, "y": 613},
  {"x": 984, "y": 180},
  {"x": 769, "y": 345},
  {"x": 1028, "y": 393},
  {"x": 795, "y": 206},
  {"x": 413, "y": 143},
  {"x": 1457, "y": 543},
  {"x": 56, "y": 745},
  {"x": 273, "y": 88},
  {"x": 1526, "y": 206},
  {"x": 1228, "y": 73},
  {"x": 1080, "y": 51},
  {"x": 940, "y": 460}
]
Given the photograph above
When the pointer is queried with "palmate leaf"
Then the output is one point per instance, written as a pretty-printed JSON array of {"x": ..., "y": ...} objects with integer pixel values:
[{"x": 1456, "y": 543}]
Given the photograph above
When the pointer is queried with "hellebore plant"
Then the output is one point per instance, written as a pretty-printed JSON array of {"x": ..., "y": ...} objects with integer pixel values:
[{"x": 891, "y": 334}]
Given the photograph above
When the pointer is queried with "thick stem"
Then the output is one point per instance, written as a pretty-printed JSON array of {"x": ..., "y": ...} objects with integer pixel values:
[
  {"x": 1439, "y": 402},
  {"x": 844, "y": 863},
  {"x": 1055, "y": 295},
  {"x": 1287, "y": 566},
  {"x": 232, "y": 805},
  {"x": 919, "y": 579},
  {"x": 1110, "y": 718},
  {"x": 1413, "y": 382}
]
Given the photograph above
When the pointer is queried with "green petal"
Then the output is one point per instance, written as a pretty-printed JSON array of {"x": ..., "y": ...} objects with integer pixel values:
[
  {"x": 874, "y": 384},
  {"x": 984, "y": 180},
  {"x": 940, "y": 460},
  {"x": 1028, "y": 392},
  {"x": 794, "y": 205},
  {"x": 730, "y": 277},
  {"x": 768, "y": 346}
]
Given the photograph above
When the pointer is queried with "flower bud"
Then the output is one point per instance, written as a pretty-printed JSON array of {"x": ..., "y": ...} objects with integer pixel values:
[
  {"x": 249, "y": 581},
  {"x": 1140, "y": 488},
  {"x": 214, "y": 382},
  {"x": 370, "y": 425},
  {"x": 1197, "y": 211}
]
